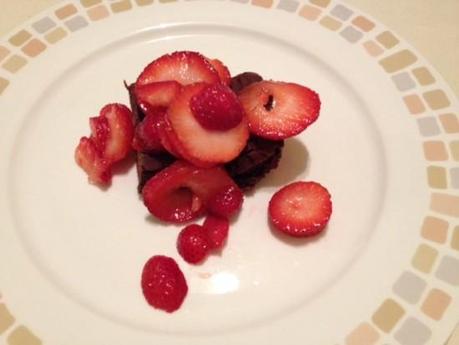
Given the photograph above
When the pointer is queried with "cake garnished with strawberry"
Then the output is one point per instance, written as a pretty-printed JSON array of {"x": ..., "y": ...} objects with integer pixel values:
[{"x": 201, "y": 137}]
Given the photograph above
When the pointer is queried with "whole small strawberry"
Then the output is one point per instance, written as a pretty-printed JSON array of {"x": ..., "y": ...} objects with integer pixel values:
[
  {"x": 217, "y": 231},
  {"x": 163, "y": 283},
  {"x": 193, "y": 243}
]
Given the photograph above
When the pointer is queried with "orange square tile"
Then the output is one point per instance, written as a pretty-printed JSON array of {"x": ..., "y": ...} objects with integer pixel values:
[
  {"x": 414, "y": 104},
  {"x": 436, "y": 177},
  {"x": 435, "y": 151},
  {"x": 98, "y": 13},
  {"x": 89, "y": 3},
  {"x": 34, "y": 47},
  {"x": 3, "y": 84},
  {"x": 450, "y": 123},
  {"x": 387, "y": 315},
  {"x": 310, "y": 12},
  {"x": 66, "y": 11},
  {"x": 144, "y": 2},
  {"x": 435, "y": 229},
  {"x": 436, "y": 304},
  {"x": 445, "y": 204},
  {"x": 363, "y": 23},
  {"x": 3, "y": 52}
]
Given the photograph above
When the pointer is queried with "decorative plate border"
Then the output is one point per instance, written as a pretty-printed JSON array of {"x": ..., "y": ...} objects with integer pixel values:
[{"x": 426, "y": 285}]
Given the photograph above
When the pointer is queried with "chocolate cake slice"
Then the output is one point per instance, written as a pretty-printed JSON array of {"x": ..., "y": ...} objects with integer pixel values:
[{"x": 257, "y": 159}]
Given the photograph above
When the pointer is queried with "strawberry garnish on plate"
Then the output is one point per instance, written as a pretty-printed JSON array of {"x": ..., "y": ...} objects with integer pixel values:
[
  {"x": 300, "y": 209},
  {"x": 278, "y": 110},
  {"x": 216, "y": 107},
  {"x": 163, "y": 283},
  {"x": 217, "y": 229},
  {"x": 184, "y": 67},
  {"x": 226, "y": 202},
  {"x": 146, "y": 137},
  {"x": 197, "y": 144},
  {"x": 193, "y": 243},
  {"x": 222, "y": 70},
  {"x": 157, "y": 94},
  {"x": 181, "y": 192},
  {"x": 110, "y": 142}
]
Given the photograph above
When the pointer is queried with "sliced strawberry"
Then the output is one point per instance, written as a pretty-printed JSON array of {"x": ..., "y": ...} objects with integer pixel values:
[
  {"x": 198, "y": 145},
  {"x": 222, "y": 70},
  {"x": 193, "y": 243},
  {"x": 163, "y": 283},
  {"x": 300, "y": 209},
  {"x": 146, "y": 137},
  {"x": 167, "y": 137},
  {"x": 111, "y": 136},
  {"x": 181, "y": 191},
  {"x": 185, "y": 67},
  {"x": 88, "y": 157},
  {"x": 278, "y": 110},
  {"x": 217, "y": 231},
  {"x": 121, "y": 131},
  {"x": 158, "y": 94},
  {"x": 217, "y": 108},
  {"x": 226, "y": 202}
]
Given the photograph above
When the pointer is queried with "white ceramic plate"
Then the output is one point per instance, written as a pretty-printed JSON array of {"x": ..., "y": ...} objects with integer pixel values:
[{"x": 385, "y": 271}]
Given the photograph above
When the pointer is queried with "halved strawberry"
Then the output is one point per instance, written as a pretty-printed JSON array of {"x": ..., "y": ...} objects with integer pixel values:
[
  {"x": 181, "y": 191},
  {"x": 157, "y": 94},
  {"x": 222, "y": 70},
  {"x": 163, "y": 283},
  {"x": 217, "y": 231},
  {"x": 185, "y": 67},
  {"x": 111, "y": 136},
  {"x": 196, "y": 144},
  {"x": 300, "y": 209},
  {"x": 121, "y": 131},
  {"x": 88, "y": 157},
  {"x": 278, "y": 110}
]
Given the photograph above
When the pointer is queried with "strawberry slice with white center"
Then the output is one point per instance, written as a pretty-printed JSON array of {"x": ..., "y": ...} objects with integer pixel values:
[
  {"x": 184, "y": 67},
  {"x": 300, "y": 209},
  {"x": 180, "y": 192},
  {"x": 278, "y": 110},
  {"x": 201, "y": 146},
  {"x": 88, "y": 157},
  {"x": 158, "y": 94}
]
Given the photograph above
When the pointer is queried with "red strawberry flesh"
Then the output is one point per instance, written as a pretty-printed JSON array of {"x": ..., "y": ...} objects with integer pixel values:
[
  {"x": 217, "y": 107},
  {"x": 226, "y": 202},
  {"x": 300, "y": 209},
  {"x": 217, "y": 230},
  {"x": 184, "y": 67},
  {"x": 278, "y": 110},
  {"x": 157, "y": 94},
  {"x": 163, "y": 283},
  {"x": 222, "y": 70},
  {"x": 180, "y": 192},
  {"x": 193, "y": 243}
]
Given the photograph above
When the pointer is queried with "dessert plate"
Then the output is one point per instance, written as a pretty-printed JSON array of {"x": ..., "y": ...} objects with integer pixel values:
[{"x": 386, "y": 271}]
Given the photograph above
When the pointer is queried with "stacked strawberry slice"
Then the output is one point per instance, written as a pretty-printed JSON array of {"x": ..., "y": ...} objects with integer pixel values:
[{"x": 197, "y": 127}]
